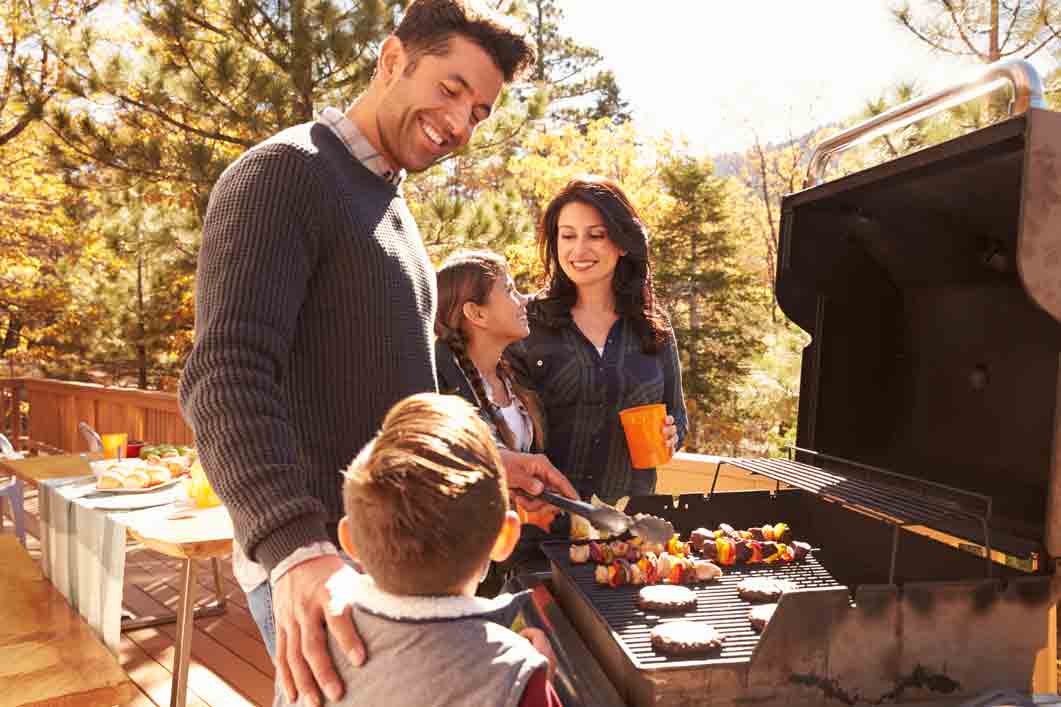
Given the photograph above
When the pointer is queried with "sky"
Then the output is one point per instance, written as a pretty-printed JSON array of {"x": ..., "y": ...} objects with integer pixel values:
[{"x": 715, "y": 71}]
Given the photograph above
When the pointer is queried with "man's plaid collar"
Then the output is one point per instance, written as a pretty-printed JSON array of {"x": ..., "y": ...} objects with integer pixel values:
[{"x": 359, "y": 146}]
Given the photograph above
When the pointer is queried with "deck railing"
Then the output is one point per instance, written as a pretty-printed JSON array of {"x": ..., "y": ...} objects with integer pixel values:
[{"x": 42, "y": 414}]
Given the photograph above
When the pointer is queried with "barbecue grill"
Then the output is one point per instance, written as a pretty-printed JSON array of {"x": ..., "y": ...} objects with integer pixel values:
[{"x": 927, "y": 466}]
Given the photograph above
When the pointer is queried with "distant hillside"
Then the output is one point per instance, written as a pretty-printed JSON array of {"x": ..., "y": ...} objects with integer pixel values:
[{"x": 729, "y": 164}]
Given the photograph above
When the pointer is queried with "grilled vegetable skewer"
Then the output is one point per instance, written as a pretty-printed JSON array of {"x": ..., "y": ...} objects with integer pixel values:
[
  {"x": 657, "y": 569},
  {"x": 769, "y": 544}
]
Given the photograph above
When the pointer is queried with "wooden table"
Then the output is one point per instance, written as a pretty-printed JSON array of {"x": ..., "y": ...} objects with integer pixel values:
[
  {"x": 50, "y": 655},
  {"x": 34, "y": 470},
  {"x": 207, "y": 534}
]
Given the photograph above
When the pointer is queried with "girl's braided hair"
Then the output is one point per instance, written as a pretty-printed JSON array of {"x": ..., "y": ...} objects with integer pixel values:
[{"x": 469, "y": 276}]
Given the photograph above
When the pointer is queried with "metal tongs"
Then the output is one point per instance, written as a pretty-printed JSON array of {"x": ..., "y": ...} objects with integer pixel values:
[{"x": 652, "y": 529}]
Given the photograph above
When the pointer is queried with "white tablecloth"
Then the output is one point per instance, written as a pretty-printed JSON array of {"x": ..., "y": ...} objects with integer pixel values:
[{"x": 83, "y": 547}]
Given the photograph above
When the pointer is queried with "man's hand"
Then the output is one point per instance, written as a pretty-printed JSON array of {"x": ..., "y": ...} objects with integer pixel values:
[
  {"x": 670, "y": 433},
  {"x": 540, "y": 641},
  {"x": 531, "y": 474},
  {"x": 301, "y": 601}
]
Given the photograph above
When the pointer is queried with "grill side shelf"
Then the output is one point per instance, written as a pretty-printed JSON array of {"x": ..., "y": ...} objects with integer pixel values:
[{"x": 943, "y": 513}]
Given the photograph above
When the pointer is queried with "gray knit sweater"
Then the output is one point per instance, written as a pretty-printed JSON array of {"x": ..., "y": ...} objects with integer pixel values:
[{"x": 314, "y": 308}]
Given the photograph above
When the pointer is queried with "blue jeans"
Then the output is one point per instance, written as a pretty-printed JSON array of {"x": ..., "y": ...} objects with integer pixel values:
[{"x": 260, "y": 603}]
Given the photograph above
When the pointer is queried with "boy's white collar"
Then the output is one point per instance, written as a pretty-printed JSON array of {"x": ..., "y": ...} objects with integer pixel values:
[{"x": 348, "y": 588}]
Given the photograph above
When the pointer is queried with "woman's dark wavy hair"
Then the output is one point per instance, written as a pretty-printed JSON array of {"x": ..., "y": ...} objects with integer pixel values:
[{"x": 632, "y": 281}]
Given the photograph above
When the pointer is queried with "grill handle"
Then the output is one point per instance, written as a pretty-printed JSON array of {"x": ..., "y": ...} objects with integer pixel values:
[{"x": 1020, "y": 73}]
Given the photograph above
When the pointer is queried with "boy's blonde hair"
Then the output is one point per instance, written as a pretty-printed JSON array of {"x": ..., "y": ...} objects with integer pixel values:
[{"x": 426, "y": 498}]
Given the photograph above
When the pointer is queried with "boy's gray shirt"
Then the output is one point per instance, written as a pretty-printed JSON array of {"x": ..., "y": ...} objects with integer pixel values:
[{"x": 425, "y": 651}]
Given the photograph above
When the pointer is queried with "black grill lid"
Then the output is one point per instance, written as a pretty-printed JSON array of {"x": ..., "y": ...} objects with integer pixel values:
[{"x": 920, "y": 282}]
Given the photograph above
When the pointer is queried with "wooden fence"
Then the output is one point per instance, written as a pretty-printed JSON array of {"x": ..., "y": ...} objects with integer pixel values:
[{"x": 42, "y": 414}]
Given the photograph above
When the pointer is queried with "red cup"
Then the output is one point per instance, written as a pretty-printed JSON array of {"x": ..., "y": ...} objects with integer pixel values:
[{"x": 132, "y": 449}]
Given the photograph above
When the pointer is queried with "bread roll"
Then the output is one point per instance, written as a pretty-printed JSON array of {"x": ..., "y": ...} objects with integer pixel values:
[
  {"x": 158, "y": 475},
  {"x": 176, "y": 465},
  {"x": 110, "y": 480},
  {"x": 136, "y": 479}
]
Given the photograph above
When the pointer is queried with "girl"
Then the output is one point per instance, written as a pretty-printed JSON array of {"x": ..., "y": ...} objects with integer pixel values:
[
  {"x": 480, "y": 313},
  {"x": 599, "y": 342}
]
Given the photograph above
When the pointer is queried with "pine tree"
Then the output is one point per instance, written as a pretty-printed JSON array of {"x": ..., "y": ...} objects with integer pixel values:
[
  {"x": 176, "y": 89},
  {"x": 987, "y": 30},
  {"x": 32, "y": 241},
  {"x": 715, "y": 305},
  {"x": 581, "y": 91},
  {"x": 30, "y": 71}
]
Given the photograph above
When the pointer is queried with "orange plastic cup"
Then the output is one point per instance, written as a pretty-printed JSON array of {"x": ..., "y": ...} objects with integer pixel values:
[
  {"x": 114, "y": 445},
  {"x": 643, "y": 426}
]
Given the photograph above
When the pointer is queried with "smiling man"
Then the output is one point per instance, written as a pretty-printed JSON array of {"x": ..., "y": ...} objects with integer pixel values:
[{"x": 315, "y": 302}]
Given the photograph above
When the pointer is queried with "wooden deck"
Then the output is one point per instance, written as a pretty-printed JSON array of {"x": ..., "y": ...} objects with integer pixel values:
[{"x": 230, "y": 666}]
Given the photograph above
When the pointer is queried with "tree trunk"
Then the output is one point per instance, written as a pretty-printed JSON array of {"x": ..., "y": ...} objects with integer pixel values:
[
  {"x": 539, "y": 72},
  {"x": 14, "y": 328},
  {"x": 141, "y": 346},
  {"x": 302, "y": 64},
  {"x": 694, "y": 308},
  {"x": 993, "y": 51},
  {"x": 771, "y": 239}
]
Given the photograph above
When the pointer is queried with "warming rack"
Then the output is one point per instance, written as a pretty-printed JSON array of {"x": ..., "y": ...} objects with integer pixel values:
[{"x": 904, "y": 502}]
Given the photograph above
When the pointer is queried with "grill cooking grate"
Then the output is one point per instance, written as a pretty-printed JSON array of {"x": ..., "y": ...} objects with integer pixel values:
[{"x": 717, "y": 604}]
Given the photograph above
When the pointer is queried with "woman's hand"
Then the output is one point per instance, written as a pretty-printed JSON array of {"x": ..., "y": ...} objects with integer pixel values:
[{"x": 670, "y": 433}]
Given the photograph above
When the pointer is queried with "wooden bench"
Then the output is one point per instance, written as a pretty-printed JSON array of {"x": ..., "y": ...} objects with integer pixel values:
[{"x": 48, "y": 654}]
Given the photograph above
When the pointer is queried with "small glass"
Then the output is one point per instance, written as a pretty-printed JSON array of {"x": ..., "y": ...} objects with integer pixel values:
[{"x": 114, "y": 445}]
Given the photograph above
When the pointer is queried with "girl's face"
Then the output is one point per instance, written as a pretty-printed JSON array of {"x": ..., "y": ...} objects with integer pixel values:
[
  {"x": 505, "y": 313},
  {"x": 586, "y": 253}
]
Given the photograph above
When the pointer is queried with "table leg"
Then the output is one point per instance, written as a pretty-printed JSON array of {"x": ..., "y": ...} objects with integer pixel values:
[
  {"x": 219, "y": 591},
  {"x": 182, "y": 647},
  {"x": 214, "y": 608}
]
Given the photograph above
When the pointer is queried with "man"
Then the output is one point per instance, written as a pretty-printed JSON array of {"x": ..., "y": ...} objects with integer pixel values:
[{"x": 315, "y": 303}]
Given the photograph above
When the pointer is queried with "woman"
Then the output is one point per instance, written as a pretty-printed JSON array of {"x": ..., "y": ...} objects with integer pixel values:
[
  {"x": 599, "y": 342},
  {"x": 480, "y": 313}
]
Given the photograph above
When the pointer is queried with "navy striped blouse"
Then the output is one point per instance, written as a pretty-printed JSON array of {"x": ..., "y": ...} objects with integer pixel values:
[{"x": 582, "y": 393}]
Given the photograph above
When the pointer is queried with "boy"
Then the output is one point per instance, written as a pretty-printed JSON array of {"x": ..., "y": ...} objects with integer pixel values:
[{"x": 426, "y": 511}]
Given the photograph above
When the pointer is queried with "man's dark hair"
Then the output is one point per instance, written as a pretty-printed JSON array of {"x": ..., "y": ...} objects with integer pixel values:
[{"x": 428, "y": 25}]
